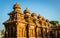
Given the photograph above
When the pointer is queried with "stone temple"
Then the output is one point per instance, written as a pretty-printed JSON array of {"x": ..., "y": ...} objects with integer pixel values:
[{"x": 26, "y": 25}]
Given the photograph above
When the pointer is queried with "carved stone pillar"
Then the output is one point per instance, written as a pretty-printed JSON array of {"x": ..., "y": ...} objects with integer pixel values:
[
  {"x": 6, "y": 33},
  {"x": 46, "y": 34},
  {"x": 42, "y": 32},
  {"x": 38, "y": 32},
  {"x": 31, "y": 31},
  {"x": 56, "y": 33},
  {"x": 21, "y": 30}
]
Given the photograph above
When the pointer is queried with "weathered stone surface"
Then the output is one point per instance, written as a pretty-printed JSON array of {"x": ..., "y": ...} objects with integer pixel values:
[{"x": 24, "y": 25}]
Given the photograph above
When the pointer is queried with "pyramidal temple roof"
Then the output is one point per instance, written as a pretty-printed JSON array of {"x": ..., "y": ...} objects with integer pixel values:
[
  {"x": 26, "y": 11},
  {"x": 17, "y": 8}
]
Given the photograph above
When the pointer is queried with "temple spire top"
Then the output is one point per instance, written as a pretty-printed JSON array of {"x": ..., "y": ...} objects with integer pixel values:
[
  {"x": 26, "y": 11},
  {"x": 33, "y": 14},
  {"x": 39, "y": 16},
  {"x": 16, "y": 6}
]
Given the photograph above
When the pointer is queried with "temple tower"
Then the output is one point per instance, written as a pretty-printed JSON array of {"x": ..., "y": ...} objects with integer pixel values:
[
  {"x": 26, "y": 25},
  {"x": 16, "y": 26},
  {"x": 30, "y": 24}
]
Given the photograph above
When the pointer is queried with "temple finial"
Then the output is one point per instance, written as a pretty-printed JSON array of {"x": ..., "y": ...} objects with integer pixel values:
[
  {"x": 33, "y": 14},
  {"x": 39, "y": 16},
  {"x": 26, "y": 11},
  {"x": 16, "y": 6}
]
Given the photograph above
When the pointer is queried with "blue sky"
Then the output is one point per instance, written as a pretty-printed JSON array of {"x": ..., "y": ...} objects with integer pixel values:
[{"x": 50, "y": 9}]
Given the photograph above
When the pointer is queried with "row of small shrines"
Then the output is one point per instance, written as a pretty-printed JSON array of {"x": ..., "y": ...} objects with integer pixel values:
[{"x": 21, "y": 25}]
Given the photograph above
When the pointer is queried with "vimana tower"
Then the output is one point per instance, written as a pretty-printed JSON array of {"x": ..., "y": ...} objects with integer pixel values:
[{"x": 26, "y": 25}]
